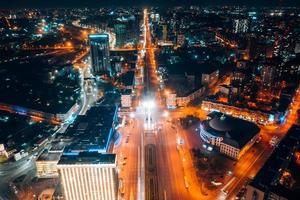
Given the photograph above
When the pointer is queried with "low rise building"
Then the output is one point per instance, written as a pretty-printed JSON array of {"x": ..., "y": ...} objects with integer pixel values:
[
  {"x": 21, "y": 135},
  {"x": 257, "y": 116},
  {"x": 279, "y": 177},
  {"x": 3, "y": 152},
  {"x": 93, "y": 131},
  {"x": 171, "y": 100},
  {"x": 126, "y": 98},
  {"x": 181, "y": 90},
  {"x": 46, "y": 164},
  {"x": 27, "y": 96},
  {"x": 184, "y": 100},
  {"x": 127, "y": 80},
  {"x": 232, "y": 136},
  {"x": 210, "y": 77}
]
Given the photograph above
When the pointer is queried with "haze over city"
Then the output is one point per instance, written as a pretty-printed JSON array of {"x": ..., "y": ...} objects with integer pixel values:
[{"x": 149, "y": 100}]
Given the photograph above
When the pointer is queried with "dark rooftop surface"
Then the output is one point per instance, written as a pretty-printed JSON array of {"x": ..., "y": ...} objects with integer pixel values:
[
  {"x": 91, "y": 158},
  {"x": 20, "y": 132},
  {"x": 191, "y": 68},
  {"x": 127, "y": 56},
  {"x": 49, "y": 156},
  {"x": 92, "y": 131},
  {"x": 42, "y": 83},
  {"x": 282, "y": 167},
  {"x": 235, "y": 131},
  {"x": 127, "y": 92},
  {"x": 181, "y": 85},
  {"x": 127, "y": 79}
]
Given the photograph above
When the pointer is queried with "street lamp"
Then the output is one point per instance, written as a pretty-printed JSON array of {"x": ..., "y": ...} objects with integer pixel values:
[
  {"x": 148, "y": 105},
  {"x": 165, "y": 114},
  {"x": 69, "y": 44},
  {"x": 132, "y": 115},
  {"x": 167, "y": 92}
]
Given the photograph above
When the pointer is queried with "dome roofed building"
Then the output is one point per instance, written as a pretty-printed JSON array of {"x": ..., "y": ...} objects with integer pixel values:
[{"x": 233, "y": 136}]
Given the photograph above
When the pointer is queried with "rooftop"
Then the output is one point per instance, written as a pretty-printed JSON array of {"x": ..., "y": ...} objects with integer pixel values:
[
  {"x": 23, "y": 85},
  {"x": 93, "y": 131},
  {"x": 190, "y": 67},
  {"x": 49, "y": 156},
  {"x": 21, "y": 132},
  {"x": 181, "y": 85},
  {"x": 235, "y": 131},
  {"x": 98, "y": 36},
  {"x": 281, "y": 173},
  {"x": 126, "y": 92},
  {"x": 91, "y": 158},
  {"x": 127, "y": 79}
]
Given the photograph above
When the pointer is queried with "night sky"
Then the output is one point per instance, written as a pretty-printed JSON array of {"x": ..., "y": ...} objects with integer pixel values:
[{"x": 99, "y": 3}]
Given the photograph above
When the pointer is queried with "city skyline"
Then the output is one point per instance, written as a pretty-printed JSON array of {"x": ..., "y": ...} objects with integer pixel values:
[
  {"x": 149, "y": 102},
  {"x": 138, "y": 3}
]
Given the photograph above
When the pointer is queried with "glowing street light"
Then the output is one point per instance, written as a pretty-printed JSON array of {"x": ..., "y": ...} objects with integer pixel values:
[
  {"x": 165, "y": 114},
  {"x": 148, "y": 104},
  {"x": 68, "y": 44},
  {"x": 84, "y": 32},
  {"x": 132, "y": 115},
  {"x": 167, "y": 92}
]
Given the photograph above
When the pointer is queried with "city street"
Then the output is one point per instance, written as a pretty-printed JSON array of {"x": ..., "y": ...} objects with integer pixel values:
[
  {"x": 175, "y": 174},
  {"x": 149, "y": 101}
]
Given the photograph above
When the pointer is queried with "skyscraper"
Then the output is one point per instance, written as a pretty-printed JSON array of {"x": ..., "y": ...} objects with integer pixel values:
[
  {"x": 99, "y": 45},
  {"x": 164, "y": 32},
  {"x": 240, "y": 25},
  {"x": 127, "y": 30},
  {"x": 122, "y": 35},
  {"x": 268, "y": 76},
  {"x": 88, "y": 176}
]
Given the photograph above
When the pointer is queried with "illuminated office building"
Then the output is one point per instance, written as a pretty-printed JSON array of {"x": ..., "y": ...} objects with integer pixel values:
[
  {"x": 127, "y": 31},
  {"x": 88, "y": 176},
  {"x": 240, "y": 25},
  {"x": 99, "y": 45}
]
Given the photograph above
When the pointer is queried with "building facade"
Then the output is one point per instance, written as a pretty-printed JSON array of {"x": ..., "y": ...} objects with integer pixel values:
[
  {"x": 240, "y": 25},
  {"x": 173, "y": 100},
  {"x": 46, "y": 164},
  {"x": 278, "y": 178},
  {"x": 89, "y": 176},
  {"x": 210, "y": 78},
  {"x": 99, "y": 50},
  {"x": 46, "y": 168},
  {"x": 126, "y": 99},
  {"x": 127, "y": 31},
  {"x": 232, "y": 136}
]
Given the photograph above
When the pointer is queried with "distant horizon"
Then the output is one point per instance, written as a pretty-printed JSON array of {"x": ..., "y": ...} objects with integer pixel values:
[{"x": 6, "y": 4}]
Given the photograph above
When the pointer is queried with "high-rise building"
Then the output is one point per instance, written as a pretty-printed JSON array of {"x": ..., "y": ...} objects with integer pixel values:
[
  {"x": 164, "y": 32},
  {"x": 99, "y": 45},
  {"x": 121, "y": 34},
  {"x": 240, "y": 25},
  {"x": 180, "y": 39},
  {"x": 268, "y": 75},
  {"x": 88, "y": 176},
  {"x": 127, "y": 31}
]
